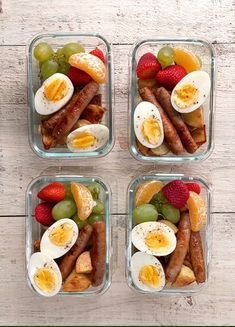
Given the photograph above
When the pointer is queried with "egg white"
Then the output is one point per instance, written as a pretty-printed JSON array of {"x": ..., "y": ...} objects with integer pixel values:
[
  {"x": 145, "y": 110},
  {"x": 140, "y": 231},
  {"x": 46, "y": 107},
  {"x": 140, "y": 259},
  {"x": 54, "y": 251},
  {"x": 101, "y": 133},
  {"x": 39, "y": 260},
  {"x": 201, "y": 80}
]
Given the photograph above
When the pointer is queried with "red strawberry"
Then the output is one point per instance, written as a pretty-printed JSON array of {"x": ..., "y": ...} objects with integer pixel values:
[
  {"x": 170, "y": 76},
  {"x": 98, "y": 53},
  {"x": 148, "y": 66},
  {"x": 78, "y": 77},
  {"x": 53, "y": 192},
  {"x": 194, "y": 187},
  {"x": 43, "y": 213},
  {"x": 176, "y": 193}
]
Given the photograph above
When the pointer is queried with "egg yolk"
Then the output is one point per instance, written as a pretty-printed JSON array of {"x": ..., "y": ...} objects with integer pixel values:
[
  {"x": 55, "y": 90},
  {"x": 149, "y": 275},
  {"x": 46, "y": 279},
  {"x": 61, "y": 235},
  {"x": 186, "y": 96},
  {"x": 151, "y": 130},
  {"x": 83, "y": 140},
  {"x": 156, "y": 240}
]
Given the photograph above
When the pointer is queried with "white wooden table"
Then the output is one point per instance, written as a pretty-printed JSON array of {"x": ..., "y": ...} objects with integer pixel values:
[{"x": 122, "y": 23}]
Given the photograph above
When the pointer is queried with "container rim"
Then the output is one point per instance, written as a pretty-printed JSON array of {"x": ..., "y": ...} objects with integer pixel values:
[
  {"x": 30, "y": 95},
  {"x": 210, "y": 138},
  {"x": 108, "y": 229},
  {"x": 208, "y": 231}
]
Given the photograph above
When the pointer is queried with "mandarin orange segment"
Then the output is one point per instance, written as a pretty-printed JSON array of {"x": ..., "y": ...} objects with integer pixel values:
[
  {"x": 146, "y": 191},
  {"x": 197, "y": 211},
  {"x": 90, "y": 64},
  {"x": 83, "y": 199},
  {"x": 187, "y": 59}
]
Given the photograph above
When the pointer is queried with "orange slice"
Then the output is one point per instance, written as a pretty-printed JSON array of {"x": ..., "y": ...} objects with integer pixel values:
[
  {"x": 83, "y": 198},
  {"x": 197, "y": 211},
  {"x": 90, "y": 64},
  {"x": 146, "y": 191},
  {"x": 187, "y": 59}
]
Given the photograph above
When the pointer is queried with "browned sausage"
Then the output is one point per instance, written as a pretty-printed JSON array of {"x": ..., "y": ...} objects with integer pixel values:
[
  {"x": 69, "y": 259},
  {"x": 97, "y": 100},
  {"x": 68, "y": 120},
  {"x": 98, "y": 252},
  {"x": 197, "y": 258},
  {"x": 51, "y": 122},
  {"x": 180, "y": 252},
  {"x": 171, "y": 136},
  {"x": 164, "y": 98}
]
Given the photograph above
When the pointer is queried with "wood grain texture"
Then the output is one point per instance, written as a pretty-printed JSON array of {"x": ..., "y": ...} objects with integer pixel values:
[
  {"x": 119, "y": 305},
  {"x": 122, "y": 23}
]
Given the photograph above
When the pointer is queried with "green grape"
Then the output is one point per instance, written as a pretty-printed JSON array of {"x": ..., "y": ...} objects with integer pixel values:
[
  {"x": 64, "y": 209},
  {"x": 63, "y": 67},
  {"x": 48, "y": 69},
  {"x": 95, "y": 190},
  {"x": 43, "y": 52},
  {"x": 145, "y": 212},
  {"x": 94, "y": 217},
  {"x": 170, "y": 213},
  {"x": 70, "y": 48},
  {"x": 166, "y": 56},
  {"x": 68, "y": 194},
  {"x": 158, "y": 199},
  {"x": 79, "y": 222},
  {"x": 99, "y": 208}
]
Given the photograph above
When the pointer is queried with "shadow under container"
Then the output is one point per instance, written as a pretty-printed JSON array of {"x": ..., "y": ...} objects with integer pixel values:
[
  {"x": 57, "y": 40},
  {"x": 206, "y": 232},
  {"x": 206, "y": 52},
  {"x": 34, "y": 230}
]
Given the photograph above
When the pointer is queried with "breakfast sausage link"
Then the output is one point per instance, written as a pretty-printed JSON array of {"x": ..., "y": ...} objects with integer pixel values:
[
  {"x": 164, "y": 98},
  {"x": 180, "y": 252},
  {"x": 197, "y": 258},
  {"x": 98, "y": 252},
  {"x": 68, "y": 120},
  {"x": 171, "y": 136},
  {"x": 69, "y": 259}
]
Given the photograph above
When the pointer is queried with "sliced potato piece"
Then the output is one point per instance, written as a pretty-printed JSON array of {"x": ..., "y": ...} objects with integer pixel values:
[
  {"x": 160, "y": 150},
  {"x": 185, "y": 277},
  {"x": 199, "y": 135},
  {"x": 150, "y": 83},
  {"x": 83, "y": 263},
  {"x": 194, "y": 118},
  {"x": 76, "y": 282},
  {"x": 142, "y": 149}
]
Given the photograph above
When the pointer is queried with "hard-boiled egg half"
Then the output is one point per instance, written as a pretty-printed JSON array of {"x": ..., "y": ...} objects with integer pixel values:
[
  {"x": 147, "y": 272},
  {"x": 154, "y": 238},
  {"x": 59, "y": 238},
  {"x": 191, "y": 92},
  {"x": 148, "y": 125},
  {"x": 88, "y": 138},
  {"x": 44, "y": 274},
  {"x": 54, "y": 93}
]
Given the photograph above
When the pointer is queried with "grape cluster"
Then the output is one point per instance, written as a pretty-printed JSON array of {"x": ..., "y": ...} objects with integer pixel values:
[{"x": 52, "y": 62}]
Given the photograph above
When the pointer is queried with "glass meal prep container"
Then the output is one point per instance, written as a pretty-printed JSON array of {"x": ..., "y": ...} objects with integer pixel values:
[
  {"x": 200, "y": 48},
  {"x": 206, "y": 232},
  {"x": 35, "y": 230},
  {"x": 58, "y": 40}
]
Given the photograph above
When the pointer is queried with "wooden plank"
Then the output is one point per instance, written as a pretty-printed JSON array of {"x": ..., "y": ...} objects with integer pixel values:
[
  {"x": 120, "y": 305},
  {"x": 19, "y": 164},
  {"x": 125, "y": 22}
]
